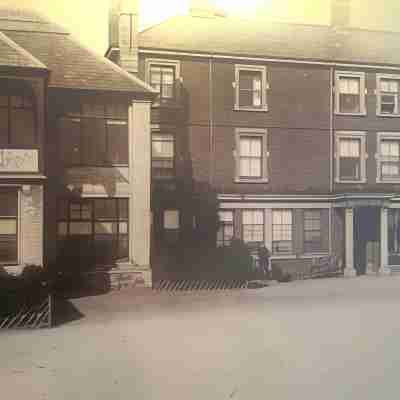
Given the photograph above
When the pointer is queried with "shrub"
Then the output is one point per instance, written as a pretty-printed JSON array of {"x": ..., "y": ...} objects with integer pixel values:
[{"x": 25, "y": 290}]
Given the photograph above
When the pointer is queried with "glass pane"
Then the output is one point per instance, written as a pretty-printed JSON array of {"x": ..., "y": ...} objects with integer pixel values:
[
  {"x": 123, "y": 228},
  {"x": 80, "y": 228},
  {"x": 388, "y": 104},
  {"x": 93, "y": 141},
  {"x": 245, "y": 167},
  {"x": 8, "y": 203},
  {"x": 390, "y": 169},
  {"x": 258, "y": 217},
  {"x": 171, "y": 219},
  {"x": 105, "y": 209},
  {"x": 255, "y": 168},
  {"x": 247, "y": 217},
  {"x": 23, "y": 127},
  {"x": 123, "y": 205},
  {"x": 86, "y": 211},
  {"x": 63, "y": 228},
  {"x": 245, "y": 98},
  {"x": 250, "y": 80},
  {"x": 245, "y": 146},
  {"x": 123, "y": 247},
  {"x": 70, "y": 137},
  {"x": 350, "y": 168},
  {"x": 167, "y": 91},
  {"x": 349, "y": 103},
  {"x": 225, "y": 216},
  {"x": 8, "y": 227},
  {"x": 168, "y": 76},
  {"x": 350, "y": 148},
  {"x": 106, "y": 228},
  {"x": 8, "y": 249},
  {"x": 3, "y": 126},
  {"x": 118, "y": 148},
  {"x": 75, "y": 211},
  {"x": 155, "y": 76},
  {"x": 349, "y": 86}
]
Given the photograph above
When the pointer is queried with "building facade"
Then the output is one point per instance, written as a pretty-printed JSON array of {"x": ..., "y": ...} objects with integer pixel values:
[
  {"x": 74, "y": 155},
  {"x": 294, "y": 128}
]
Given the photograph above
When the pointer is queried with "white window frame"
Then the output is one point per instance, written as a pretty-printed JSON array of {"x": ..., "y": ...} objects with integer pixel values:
[
  {"x": 350, "y": 74},
  {"x": 393, "y": 77},
  {"x": 264, "y": 86},
  {"x": 251, "y": 132},
  {"x": 162, "y": 61},
  {"x": 379, "y": 137},
  {"x": 363, "y": 156},
  {"x": 292, "y": 224}
]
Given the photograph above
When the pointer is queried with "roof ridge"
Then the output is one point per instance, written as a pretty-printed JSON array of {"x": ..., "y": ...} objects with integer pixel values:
[
  {"x": 115, "y": 67},
  {"x": 22, "y": 51}
]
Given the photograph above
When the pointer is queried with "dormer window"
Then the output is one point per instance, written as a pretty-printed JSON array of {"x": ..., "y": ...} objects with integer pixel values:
[{"x": 17, "y": 115}]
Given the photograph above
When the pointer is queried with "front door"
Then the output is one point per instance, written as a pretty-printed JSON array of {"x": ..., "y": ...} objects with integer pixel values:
[{"x": 366, "y": 239}]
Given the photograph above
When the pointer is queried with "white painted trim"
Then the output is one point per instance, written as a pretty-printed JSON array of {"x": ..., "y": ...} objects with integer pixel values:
[
  {"x": 352, "y": 74},
  {"x": 313, "y": 255},
  {"x": 264, "y": 85},
  {"x": 268, "y": 206},
  {"x": 268, "y": 59},
  {"x": 284, "y": 257},
  {"x": 379, "y": 137},
  {"x": 263, "y": 133},
  {"x": 380, "y": 76},
  {"x": 363, "y": 156}
]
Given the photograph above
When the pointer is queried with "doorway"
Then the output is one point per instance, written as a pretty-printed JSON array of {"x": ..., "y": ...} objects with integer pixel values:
[{"x": 366, "y": 239}]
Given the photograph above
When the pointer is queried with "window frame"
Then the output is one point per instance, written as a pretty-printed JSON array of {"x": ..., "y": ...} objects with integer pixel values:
[
  {"x": 10, "y": 108},
  {"x": 362, "y": 94},
  {"x": 362, "y": 136},
  {"x": 93, "y": 220},
  {"x": 264, "y": 87},
  {"x": 305, "y": 231},
  {"x": 292, "y": 214},
  {"x": 261, "y": 210},
  {"x": 222, "y": 224},
  {"x": 252, "y": 132},
  {"x": 381, "y": 136},
  {"x": 108, "y": 120},
  {"x": 17, "y": 219},
  {"x": 176, "y": 64},
  {"x": 379, "y": 94},
  {"x": 158, "y": 132}
]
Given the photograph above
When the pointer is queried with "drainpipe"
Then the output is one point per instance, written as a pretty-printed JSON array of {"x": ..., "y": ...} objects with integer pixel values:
[
  {"x": 211, "y": 121},
  {"x": 331, "y": 160}
]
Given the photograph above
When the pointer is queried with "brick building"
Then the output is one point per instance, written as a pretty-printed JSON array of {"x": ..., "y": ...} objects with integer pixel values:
[
  {"x": 74, "y": 154},
  {"x": 294, "y": 127}
]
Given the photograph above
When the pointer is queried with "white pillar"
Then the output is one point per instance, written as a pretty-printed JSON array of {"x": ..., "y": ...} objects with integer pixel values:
[
  {"x": 349, "y": 229},
  {"x": 384, "y": 267},
  {"x": 140, "y": 182}
]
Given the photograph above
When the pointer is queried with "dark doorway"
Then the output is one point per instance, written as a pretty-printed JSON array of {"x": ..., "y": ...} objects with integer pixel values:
[{"x": 366, "y": 239}]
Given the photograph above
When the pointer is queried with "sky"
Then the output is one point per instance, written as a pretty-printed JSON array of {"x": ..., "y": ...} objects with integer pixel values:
[{"x": 88, "y": 19}]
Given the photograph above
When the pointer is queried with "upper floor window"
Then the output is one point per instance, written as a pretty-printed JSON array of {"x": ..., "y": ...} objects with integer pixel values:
[
  {"x": 282, "y": 227},
  {"x": 225, "y": 231},
  {"x": 163, "y": 155},
  {"x": 96, "y": 135},
  {"x": 388, "y": 94},
  {"x": 351, "y": 157},
  {"x": 162, "y": 76},
  {"x": 388, "y": 157},
  {"x": 251, "y": 87},
  {"x": 251, "y": 155},
  {"x": 350, "y": 93},
  {"x": 253, "y": 226},
  {"x": 17, "y": 115}
]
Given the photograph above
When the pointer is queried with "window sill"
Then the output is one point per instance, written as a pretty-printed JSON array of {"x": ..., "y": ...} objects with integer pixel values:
[
  {"x": 261, "y": 109},
  {"x": 393, "y": 180},
  {"x": 350, "y": 182},
  {"x": 388, "y": 115},
  {"x": 313, "y": 255},
  {"x": 262, "y": 180},
  {"x": 362, "y": 114},
  {"x": 284, "y": 257},
  {"x": 96, "y": 166}
]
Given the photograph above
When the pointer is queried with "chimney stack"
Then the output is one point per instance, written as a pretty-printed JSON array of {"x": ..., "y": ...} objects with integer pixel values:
[
  {"x": 123, "y": 32},
  {"x": 340, "y": 13}
]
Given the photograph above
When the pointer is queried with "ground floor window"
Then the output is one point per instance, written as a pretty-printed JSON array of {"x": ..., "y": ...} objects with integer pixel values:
[
  {"x": 225, "y": 230},
  {"x": 9, "y": 227},
  {"x": 253, "y": 226},
  {"x": 96, "y": 230},
  {"x": 282, "y": 232},
  {"x": 394, "y": 231},
  {"x": 171, "y": 226},
  {"x": 312, "y": 231}
]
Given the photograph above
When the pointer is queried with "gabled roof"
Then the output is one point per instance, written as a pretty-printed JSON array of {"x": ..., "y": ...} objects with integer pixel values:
[
  {"x": 71, "y": 64},
  {"x": 12, "y": 55},
  {"x": 262, "y": 38}
]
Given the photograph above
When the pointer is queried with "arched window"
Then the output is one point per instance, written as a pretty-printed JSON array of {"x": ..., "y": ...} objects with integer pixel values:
[{"x": 17, "y": 114}]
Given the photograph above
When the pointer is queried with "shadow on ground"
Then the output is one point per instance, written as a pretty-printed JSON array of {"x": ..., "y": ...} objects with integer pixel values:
[{"x": 64, "y": 312}]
